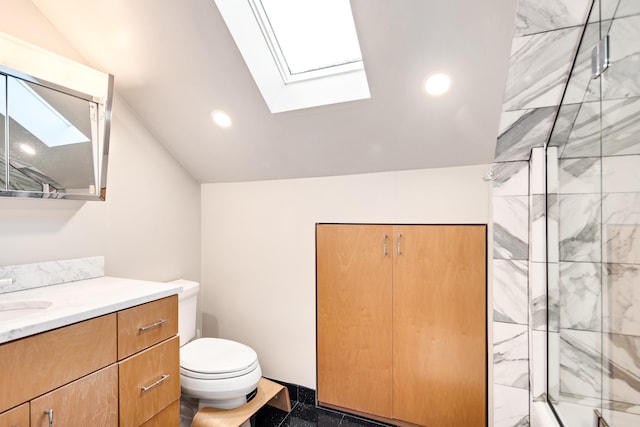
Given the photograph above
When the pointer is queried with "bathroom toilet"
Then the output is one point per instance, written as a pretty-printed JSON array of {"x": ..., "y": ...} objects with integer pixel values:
[{"x": 214, "y": 372}]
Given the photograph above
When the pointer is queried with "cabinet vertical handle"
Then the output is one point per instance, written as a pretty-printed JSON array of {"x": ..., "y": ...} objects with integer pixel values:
[
  {"x": 49, "y": 412},
  {"x": 384, "y": 246},
  {"x": 399, "y": 237}
]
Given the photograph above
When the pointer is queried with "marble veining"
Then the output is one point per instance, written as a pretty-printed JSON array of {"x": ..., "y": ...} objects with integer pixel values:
[
  {"x": 580, "y": 176},
  {"x": 622, "y": 354},
  {"x": 581, "y": 364},
  {"x": 511, "y": 228},
  {"x": 530, "y": 129},
  {"x": 511, "y": 355},
  {"x": 538, "y": 69},
  {"x": 537, "y": 296},
  {"x": 621, "y": 229},
  {"x": 580, "y": 296},
  {"x": 553, "y": 296},
  {"x": 563, "y": 126},
  {"x": 622, "y": 79},
  {"x": 622, "y": 299},
  {"x": 627, "y": 8},
  {"x": 511, "y": 179},
  {"x": 584, "y": 140},
  {"x": 511, "y": 407},
  {"x": 28, "y": 276},
  {"x": 510, "y": 291},
  {"x": 621, "y": 127},
  {"x": 579, "y": 228},
  {"x": 535, "y": 16},
  {"x": 581, "y": 86}
]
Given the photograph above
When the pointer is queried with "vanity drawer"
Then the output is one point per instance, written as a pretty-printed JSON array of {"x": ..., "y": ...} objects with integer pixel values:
[
  {"x": 19, "y": 417},
  {"x": 55, "y": 358},
  {"x": 158, "y": 370},
  {"x": 169, "y": 417},
  {"x": 147, "y": 324},
  {"x": 89, "y": 401}
]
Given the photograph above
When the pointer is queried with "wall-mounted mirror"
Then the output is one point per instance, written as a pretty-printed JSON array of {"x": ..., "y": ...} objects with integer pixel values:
[{"x": 53, "y": 139}]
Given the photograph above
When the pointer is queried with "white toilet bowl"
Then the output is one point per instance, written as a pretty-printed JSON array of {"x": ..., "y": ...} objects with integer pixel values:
[
  {"x": 219, "y": 373},
  {"x": 214, "y": 372}
]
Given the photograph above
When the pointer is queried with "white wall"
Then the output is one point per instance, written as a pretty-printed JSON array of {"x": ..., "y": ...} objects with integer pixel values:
[
  {"x": 149, "y": 227},
  {"x": 258, "y": 249}
]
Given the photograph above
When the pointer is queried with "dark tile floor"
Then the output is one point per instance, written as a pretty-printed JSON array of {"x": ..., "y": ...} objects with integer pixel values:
[
  {"x": 304, "y": 413},
  {"x": 308, "y": 415}
]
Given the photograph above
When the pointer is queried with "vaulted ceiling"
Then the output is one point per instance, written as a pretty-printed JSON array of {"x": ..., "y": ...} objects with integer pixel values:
[{"x": 175, "y": 62}]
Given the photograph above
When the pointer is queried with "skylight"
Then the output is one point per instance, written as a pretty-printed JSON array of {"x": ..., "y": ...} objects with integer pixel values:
[
  {"x": 301, "y": 53},
  {"x": 311, "y": 38}
]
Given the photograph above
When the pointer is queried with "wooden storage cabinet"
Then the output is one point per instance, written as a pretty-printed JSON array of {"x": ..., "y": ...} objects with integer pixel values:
[
  {"x": 16, "y": 417},
  {"x": 149, "y": 382},
  {"x": 75, "y": 370},
  {"x": 89, "y": 401},
  {"x": 402, "y": 322},
  {"x": 144, "y": 325},
  {"x": 32, "y": 366}
]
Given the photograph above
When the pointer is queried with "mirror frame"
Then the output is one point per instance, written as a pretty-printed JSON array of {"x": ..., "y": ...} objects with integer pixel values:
[{"x": 104, "y": 133}]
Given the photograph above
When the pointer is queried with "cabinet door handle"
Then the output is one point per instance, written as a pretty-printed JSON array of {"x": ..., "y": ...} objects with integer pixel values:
[
  {"x": 152, "y": 326},
  {"x": 384, "y": 246},
  {"x": 399, "y": 237},
  {"x": 49, "y": 412},
  {"x": 156, "y": 384}
]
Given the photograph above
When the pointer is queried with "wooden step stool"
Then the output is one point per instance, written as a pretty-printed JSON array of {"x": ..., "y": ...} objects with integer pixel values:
[{"x": 269, "y": 393}]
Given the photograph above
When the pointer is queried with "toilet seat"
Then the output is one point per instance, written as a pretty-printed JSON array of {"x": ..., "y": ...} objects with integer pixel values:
[{"x": 216, "y": 359}]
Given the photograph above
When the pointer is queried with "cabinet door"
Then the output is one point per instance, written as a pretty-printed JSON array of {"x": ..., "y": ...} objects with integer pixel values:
[
  {"x": 439, "y": 332},
  {"x": 89, "y": 401},
  {"x": 61, "y": 356},
  {"x": 354, "y": 317},
  {"x": 16, "y": 417}
]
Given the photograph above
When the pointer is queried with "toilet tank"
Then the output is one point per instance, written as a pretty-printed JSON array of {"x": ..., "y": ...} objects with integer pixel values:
[{"x": 187, "y": 310}]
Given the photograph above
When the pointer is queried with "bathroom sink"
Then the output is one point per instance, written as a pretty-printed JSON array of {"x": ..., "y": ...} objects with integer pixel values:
[{"x": 15, "y": 309}]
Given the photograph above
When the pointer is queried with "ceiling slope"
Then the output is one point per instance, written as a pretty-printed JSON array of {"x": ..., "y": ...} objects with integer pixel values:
[{"x": 175, "y": 62}]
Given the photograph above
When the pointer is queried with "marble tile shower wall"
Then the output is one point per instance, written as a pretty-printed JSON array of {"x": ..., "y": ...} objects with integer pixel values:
[
  {"x": 598, "y": 216},
  {"x": 545, "y": 42}
]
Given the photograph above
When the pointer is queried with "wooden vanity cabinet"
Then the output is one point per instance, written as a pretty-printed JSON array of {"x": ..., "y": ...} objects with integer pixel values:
[
  {"x": 76, "y": 371},
  {"x": 16, "y": 417},
  {"x": 89, "y": 401},
  {"x": 32, "y": 366},
  {"x": 149, "y": 360},
  {"x": 401, "y": 322}
]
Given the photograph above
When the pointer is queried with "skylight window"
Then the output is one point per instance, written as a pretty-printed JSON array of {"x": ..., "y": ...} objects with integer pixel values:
[
  {"x": 301, "y": 53},
  {"x": 309, "y": 38}
]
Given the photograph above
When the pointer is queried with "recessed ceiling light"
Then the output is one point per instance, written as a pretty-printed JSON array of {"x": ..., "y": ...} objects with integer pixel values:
[
  {"x": 437, "y": 84},
  {"x": 221, "y": 118},
  {"x": 27, "y": 149}
]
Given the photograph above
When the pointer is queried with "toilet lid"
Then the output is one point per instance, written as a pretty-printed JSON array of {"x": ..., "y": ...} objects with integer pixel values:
[{"x": 216, "y": 357}]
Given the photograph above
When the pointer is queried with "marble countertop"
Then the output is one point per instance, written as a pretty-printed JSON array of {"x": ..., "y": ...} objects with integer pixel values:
[{"x": 77, "y": 301}]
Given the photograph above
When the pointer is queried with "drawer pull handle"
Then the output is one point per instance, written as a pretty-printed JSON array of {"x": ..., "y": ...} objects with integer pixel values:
[
  {"x": 153, "y": 326},
  {"x": 156, "y": 384},
  {"x": 49, "y": 412}
]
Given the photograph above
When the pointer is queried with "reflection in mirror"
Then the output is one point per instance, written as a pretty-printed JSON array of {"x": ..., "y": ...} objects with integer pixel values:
[
  {"x": 55, "y": 124},
  {"x": 52, "y": 140}
]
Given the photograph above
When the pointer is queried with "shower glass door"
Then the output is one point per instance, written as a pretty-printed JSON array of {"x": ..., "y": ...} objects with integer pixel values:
[{"x": 593, "y": 204}]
